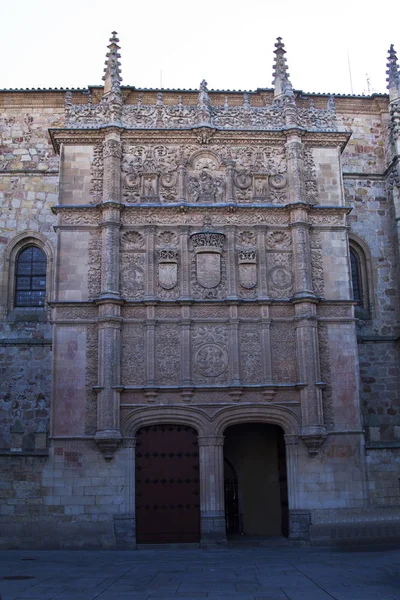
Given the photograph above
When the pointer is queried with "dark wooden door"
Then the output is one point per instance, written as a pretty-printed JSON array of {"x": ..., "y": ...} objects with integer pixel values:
[{"x": 167, "y": 485}]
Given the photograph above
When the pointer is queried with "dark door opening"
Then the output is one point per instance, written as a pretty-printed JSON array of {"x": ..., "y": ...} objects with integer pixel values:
[
  {"x": 167, "y": 485},
  {"x": 256, "y": 499}
]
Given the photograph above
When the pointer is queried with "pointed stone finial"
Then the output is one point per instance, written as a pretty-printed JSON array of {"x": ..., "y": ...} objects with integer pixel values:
[
  {"x": 281, "y": 80},
  {"x": 112, "y": 73},
  {"x": 393, "y": 74},
  {"x": 204, "y": 104}
]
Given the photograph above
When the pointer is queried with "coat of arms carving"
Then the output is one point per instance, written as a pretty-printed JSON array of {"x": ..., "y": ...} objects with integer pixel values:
[
  {"x": 167, "y": 268},
  {"x": 208, "y": 247},
  {"x": 247, "y": 263}
]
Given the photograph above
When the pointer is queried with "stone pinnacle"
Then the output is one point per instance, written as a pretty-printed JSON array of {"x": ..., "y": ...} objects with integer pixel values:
[
  {"x": 280, "y": 80},
  {"x": 112, "y": 72}
]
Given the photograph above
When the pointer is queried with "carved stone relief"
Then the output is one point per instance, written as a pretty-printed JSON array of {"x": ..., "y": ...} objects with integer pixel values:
[
  {"x": 168, "y": 354},
  {"x": 279, "y": 240},
  {"x": 161, "y": 114},
  {"x": 250, "y": 353},
  {"x": 317, "y": 268},
  {"x": 133, "y": 354},
  {"x": 165, "y": 174},
  {"x": 170, "y": 216},
  {"x": 132, "y": 274},
  {"x": 280, "y": 274},
  {"x": 209, "y": 312},
  {"x": 96, "y": 190},
  {"x": 310, "y": 176},
  {"x": 210, "y": 354},
  {"x": 94, "y": 265},
  {"x": 149, "y": 174},
  {"x": 284, "y": 362}
]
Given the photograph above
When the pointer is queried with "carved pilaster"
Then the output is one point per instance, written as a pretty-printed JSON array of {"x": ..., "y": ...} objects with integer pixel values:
[
  {"x": 185, "y": 261},
  {"x": 234, "y": 343},
  {"x": 313, "y": 431},
  {"x": 295, "y": 168},
  {"x": 150, "y": 346},
  {"x": 292, "y": 468},
  {"x": 185, "y": 346},
  {"x": 262, "y": 264},
  {"x": 112, "y": 153},
  {"x": 232, "y": 283},
  {"x": 150, "y": 260},
  {"x": 212, "y": 512},
  {"x": 266, "y": 345},
  {"x": 301, "y": 252},
  {"x": 108, "y": 435},
  {"x": 110, "y": 225}
]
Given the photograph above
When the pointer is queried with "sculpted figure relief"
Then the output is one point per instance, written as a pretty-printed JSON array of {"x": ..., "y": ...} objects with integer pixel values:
[{"x": 169, "y": 174}]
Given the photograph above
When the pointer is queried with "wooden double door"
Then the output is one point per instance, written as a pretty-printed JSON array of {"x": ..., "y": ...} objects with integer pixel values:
[{"x": 167, "y": 485}]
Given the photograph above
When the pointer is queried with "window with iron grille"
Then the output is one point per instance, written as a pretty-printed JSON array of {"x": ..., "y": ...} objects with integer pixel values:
[{"x": 30, "y": 278}]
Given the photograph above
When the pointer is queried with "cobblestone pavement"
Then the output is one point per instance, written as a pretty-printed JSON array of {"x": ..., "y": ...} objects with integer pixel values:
[{"x": 235, "y": 573}]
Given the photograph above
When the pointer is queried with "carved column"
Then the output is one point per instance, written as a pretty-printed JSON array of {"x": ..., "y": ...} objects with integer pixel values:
[
  {"x": 108, "y": 435},
  {"x": 231, "y": 260},
  {"x": 212, "y": 509},
  {"x": 181, "y": 182},
  {"x": 230, "y": 198},
  {"x": 234, "y": 343},
  {"x": 185, "y": 261}
]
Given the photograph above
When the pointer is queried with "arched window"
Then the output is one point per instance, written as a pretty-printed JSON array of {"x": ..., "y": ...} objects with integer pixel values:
[
  {"x": 361, "y": 276},
  {"x": 356, "y": 276},
  {"x": 30, "y": 277}
]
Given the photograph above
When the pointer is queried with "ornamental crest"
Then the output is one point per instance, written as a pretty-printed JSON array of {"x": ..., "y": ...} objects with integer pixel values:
[
  {"x": 247, "y": 269},
  {"x": 208, "y": 248},
  {"x": 167, "y": 269}
]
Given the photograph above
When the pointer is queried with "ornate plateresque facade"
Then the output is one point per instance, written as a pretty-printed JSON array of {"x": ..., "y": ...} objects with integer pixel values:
[{"x": 212, "y": 259}]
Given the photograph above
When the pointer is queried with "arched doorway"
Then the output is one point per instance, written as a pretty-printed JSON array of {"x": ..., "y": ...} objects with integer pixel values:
[
  {"x": 167, "y": 484},
  {"x": 255, "y": 454}
]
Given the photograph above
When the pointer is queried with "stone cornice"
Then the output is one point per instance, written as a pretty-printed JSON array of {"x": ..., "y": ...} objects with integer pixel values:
[{"x": 190, "y": 135}]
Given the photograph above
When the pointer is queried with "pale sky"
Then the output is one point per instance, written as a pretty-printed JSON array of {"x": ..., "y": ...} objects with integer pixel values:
[{"x": 177, "y": 43}]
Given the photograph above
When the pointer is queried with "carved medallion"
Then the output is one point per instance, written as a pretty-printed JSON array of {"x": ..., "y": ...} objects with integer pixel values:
[
  {"x": 211, "y": 360},
  {"x": 247, "y": 269},
  {"x": 278, "y": 181},
  {"x": 167, "y": 268},
  {"x": 281, "y": 277}
]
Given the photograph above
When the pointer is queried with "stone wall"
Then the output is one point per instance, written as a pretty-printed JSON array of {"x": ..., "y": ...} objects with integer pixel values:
[{"x": 65, "y": 500}]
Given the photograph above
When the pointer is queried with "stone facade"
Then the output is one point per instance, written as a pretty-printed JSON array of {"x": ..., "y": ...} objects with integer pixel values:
[{"x": 212, "y": 259}]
